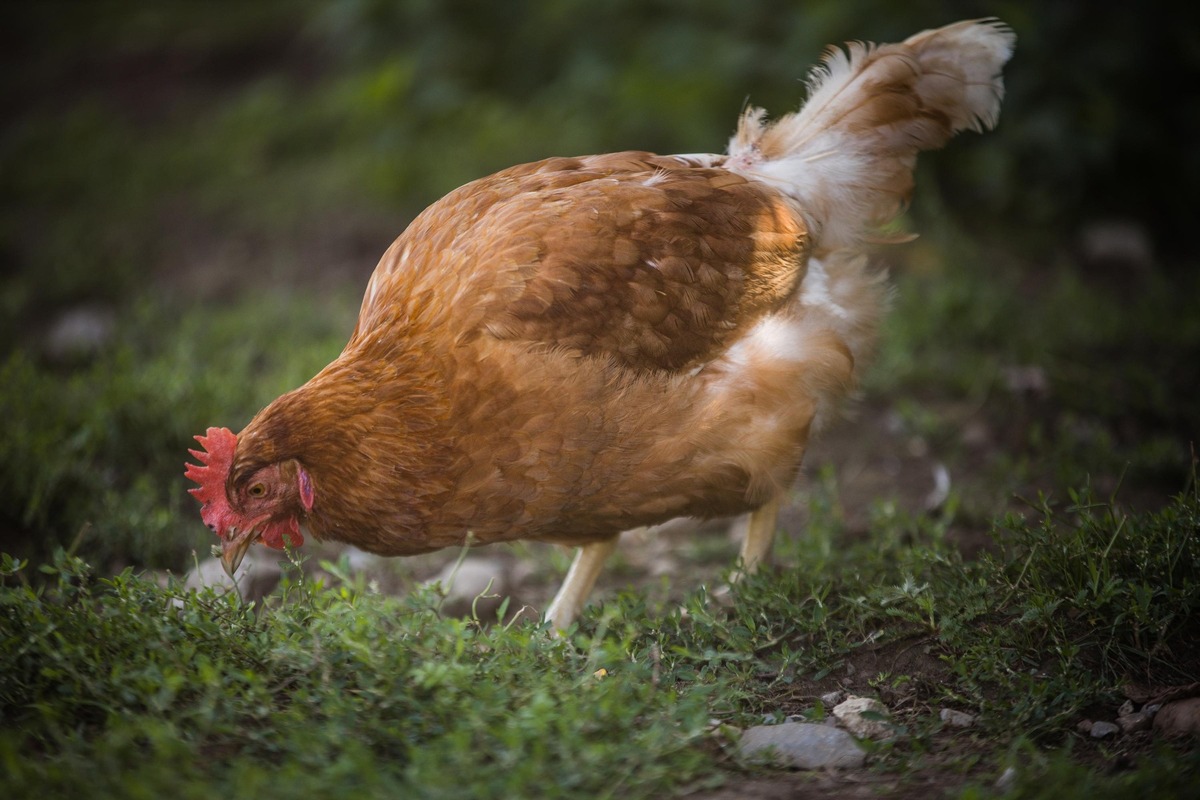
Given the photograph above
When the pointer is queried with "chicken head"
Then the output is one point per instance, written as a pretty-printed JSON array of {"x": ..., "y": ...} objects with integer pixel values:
[{"x": 264, "y": 504}]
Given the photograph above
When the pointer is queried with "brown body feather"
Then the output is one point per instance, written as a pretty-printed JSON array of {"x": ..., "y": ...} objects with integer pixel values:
[{"x": 532, "y": 357}]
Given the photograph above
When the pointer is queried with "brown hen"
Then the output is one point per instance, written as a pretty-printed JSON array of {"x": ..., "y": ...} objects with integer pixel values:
[{"x": 571, "y": 348}]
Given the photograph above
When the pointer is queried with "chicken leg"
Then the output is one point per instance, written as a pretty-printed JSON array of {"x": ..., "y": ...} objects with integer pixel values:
[
  {"x": 760, "y": 535},
  {"x": 576, "y": 587}
]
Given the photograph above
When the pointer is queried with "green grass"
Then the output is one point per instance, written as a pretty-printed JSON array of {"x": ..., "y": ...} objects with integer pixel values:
[
  {"x": 113, "y": 686},
  {"x": 97, "y": 450}
]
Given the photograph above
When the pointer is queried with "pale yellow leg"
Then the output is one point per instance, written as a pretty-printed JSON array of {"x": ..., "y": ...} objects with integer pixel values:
[
  {"x": 760, "y": 534},
  {"x": 576, "y": 587}
]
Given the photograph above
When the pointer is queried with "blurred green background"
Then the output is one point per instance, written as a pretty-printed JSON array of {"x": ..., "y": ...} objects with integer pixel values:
[{"x": 193, "y": 195}]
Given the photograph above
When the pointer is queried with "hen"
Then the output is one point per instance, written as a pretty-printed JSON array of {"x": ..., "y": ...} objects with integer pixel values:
[{"x": 578, "y": 346}]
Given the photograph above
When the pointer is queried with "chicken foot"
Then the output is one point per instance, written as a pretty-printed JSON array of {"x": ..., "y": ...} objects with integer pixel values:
[{"x": 576, "y": 587}]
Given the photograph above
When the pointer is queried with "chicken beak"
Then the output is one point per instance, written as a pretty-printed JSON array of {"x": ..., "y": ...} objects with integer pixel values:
[{"x": 234, "y": 550}]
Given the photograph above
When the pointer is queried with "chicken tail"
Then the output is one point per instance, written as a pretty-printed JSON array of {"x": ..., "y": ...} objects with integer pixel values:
[{"x": 847, "y": 155}]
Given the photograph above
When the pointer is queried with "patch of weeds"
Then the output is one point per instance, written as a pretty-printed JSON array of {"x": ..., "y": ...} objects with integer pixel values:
[
  {"x": 1087, "y": 597},
  {"x": 1122, "y": 589},
  {"x": 115, "y": 687},
  {"x": 1079, "y": 601}
]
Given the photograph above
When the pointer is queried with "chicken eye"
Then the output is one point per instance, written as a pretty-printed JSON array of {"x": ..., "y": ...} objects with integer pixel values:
[{"x": 258, "y": 490}]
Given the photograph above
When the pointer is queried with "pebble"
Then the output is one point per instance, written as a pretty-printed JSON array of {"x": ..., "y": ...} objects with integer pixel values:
[
  {"x": 956, "y": 719},
  {"x": 801, "y": 745},
  {"x": 1135, "y": 721},
  {"x": 850, "y": 714},
  {"x": 831, "y": 699},
  {"x": 79, "y": 333},
  {"x": 1102, "y": 730}
]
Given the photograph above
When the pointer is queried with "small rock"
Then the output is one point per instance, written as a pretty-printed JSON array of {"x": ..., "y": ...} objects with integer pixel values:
[
  {"x": 1137, "y": 721},
  {"x": 477, "y": 583},
  {"x": 850, "y": 713},
  {"x": 79, "y": 333},
  {"x": 1102, "y": 730},
  {"x": 1117, "y": 244},
  {"x": 956, "y": 719},
  {"x": 1126, "y": 709},
  {"x": 257, "y": 576},
  {"x": 801, "y": 745},
  {"x": 831, "y": 699},
  {"x": 1084, "y": 726},
  {"x": 1179, "y": 718}
]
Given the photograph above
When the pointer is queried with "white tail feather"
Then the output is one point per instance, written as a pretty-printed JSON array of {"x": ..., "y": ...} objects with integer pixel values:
[{"x": 846, "y": 157}]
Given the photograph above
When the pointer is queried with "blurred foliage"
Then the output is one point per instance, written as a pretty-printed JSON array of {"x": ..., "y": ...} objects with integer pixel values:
[
  {"x": 280, "y": 111},
  {"x": 183, "y": 164},
  {"x": 99, "y": 450}
]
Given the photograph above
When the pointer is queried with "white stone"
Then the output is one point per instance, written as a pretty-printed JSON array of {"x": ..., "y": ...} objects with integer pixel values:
[
  {"x": 801, "y": 745},
  {"x": 850, "y": 713},
  {"x": 80, "y": 332},
  {"x": 956, "y": 719}
]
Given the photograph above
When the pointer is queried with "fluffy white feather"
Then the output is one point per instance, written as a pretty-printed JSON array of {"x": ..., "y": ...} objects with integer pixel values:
[{"x": 847, "y": 155}]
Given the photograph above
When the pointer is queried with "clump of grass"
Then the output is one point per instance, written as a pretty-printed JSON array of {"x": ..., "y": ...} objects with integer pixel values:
[
  {"x": 1079, "y": 600},
  {"x": 1086, "y": 596},
  {"x": 117, "y": 687},
  {"x": 1128, "y": 584}
]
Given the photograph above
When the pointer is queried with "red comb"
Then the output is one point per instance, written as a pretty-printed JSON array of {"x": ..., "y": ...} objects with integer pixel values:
[{"x": 215, "y": 461}]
